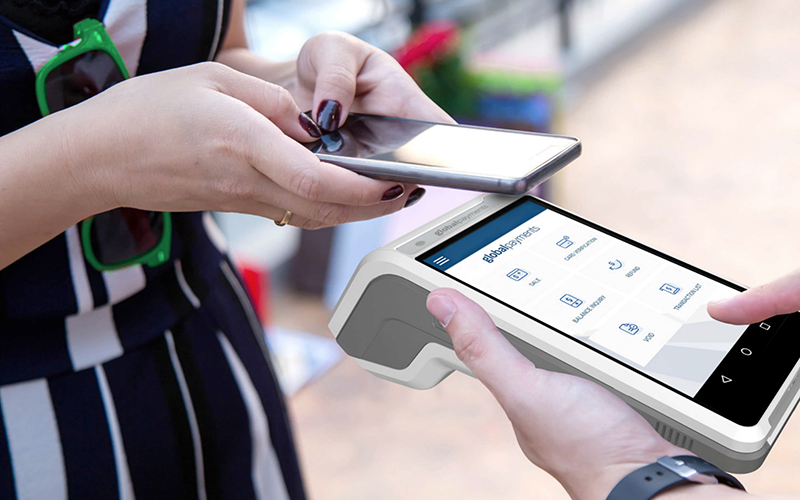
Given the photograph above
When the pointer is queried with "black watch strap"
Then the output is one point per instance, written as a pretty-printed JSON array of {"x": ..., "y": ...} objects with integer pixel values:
[{"x": 667, "y": 473}]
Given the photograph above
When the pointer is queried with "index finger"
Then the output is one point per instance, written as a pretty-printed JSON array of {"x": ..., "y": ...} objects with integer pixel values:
[
  {"x": 296, "y": 169},
  {"x": 781, "y": 296},
  {"x": 270, "y": 100}
]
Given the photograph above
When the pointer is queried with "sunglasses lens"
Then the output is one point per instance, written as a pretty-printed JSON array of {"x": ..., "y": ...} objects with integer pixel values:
[
  {"x": 125, "y": 233},
  {"x": 80, "y": 78}
]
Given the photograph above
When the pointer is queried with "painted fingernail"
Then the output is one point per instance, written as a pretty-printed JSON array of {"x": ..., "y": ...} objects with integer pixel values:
[
  {"x": 328, "y": 115},
  {"x": 442, "y": 308},
  {"x": 415, "y": 196},
  {"x": 393, "y": 193},
  {"x": 309, "y": 126}
]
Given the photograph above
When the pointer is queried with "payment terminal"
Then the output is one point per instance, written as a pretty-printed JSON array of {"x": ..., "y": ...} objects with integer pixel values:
[{"x": 578, "y": 298}]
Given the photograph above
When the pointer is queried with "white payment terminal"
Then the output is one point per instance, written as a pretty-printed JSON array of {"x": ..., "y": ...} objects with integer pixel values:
[{"x": 577, "y": 298}]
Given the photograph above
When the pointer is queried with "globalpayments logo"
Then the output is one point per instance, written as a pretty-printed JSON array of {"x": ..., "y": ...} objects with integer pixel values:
[
  {"x": 460, "y": 220},
  {"x": 505, "y": 247}
]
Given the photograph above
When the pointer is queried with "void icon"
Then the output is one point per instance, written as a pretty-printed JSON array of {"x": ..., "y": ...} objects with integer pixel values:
[{"x": 629, "y": 328}]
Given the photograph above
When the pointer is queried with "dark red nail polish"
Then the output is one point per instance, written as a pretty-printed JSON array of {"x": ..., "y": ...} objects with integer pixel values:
[
  {"x": 328, "y": 115},
  {"x": 393, "y": 193},
  {"x": 415, "y": 196},
  {"x": 309, "y": 126}
]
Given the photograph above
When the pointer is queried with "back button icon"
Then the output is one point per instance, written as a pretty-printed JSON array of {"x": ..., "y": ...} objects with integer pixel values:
[{"x": 725, "y": 379}]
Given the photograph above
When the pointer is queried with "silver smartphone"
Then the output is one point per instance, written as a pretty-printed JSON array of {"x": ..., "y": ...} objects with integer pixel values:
[{"x": 456, "y": 156}]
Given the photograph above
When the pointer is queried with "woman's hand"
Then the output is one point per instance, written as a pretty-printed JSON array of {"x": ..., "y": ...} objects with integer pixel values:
[
  {"x": 338, "y": 73},
  {"x": 204, "y": 137},
  {"x": 583, "y": 435},
  {"x": 207, "y": 137}
]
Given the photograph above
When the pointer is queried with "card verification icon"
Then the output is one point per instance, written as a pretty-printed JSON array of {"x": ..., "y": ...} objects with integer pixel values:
[{"x": 565, "y": 242}]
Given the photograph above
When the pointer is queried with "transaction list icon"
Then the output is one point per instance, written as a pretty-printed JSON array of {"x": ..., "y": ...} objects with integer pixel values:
[{"x": 670, "y": 288}]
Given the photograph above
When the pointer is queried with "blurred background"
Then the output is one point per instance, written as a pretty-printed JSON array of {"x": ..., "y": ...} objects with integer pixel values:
[{"x": 689, "y": 113}]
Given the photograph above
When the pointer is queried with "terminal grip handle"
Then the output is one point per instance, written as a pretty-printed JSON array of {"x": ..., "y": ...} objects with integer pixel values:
[
  {"x": 390, "y": 326},
  {"x": 393, "y": 335}
]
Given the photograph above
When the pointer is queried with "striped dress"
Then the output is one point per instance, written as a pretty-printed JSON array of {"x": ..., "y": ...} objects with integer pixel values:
[{"x": 137, "y": 383}]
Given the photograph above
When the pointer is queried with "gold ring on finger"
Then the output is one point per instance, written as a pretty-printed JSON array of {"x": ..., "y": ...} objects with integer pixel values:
[{"x": 287, "y": 215}]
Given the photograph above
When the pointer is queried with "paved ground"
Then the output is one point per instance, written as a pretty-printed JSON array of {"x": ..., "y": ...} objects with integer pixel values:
[{"x": 692, "y": 144}]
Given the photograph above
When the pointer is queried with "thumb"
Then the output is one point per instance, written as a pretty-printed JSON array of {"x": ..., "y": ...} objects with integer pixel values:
[
  {"x": 781, "y": 296},
  {"x": 478, "y": 343},
  {"x": 272, "y": 101}
]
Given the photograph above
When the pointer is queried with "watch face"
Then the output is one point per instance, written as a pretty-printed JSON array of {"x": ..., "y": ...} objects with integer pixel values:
[{"x": 630, "y": 303}]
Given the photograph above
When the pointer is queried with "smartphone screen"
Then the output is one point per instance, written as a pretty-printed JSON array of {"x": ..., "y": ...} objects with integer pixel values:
[
  {"x": 469, "y": 150},
  {"x": 633, "y": 304}
]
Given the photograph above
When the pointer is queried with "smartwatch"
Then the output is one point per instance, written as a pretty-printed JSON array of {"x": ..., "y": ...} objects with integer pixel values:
[{"x": 667, "y": 473}]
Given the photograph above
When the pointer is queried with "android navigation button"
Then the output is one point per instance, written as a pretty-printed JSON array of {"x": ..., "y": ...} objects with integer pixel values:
[
  {"x": 764, "y": 326},
  {"x": 725, "y": 379},
  {"x": 746, "y": 351}
]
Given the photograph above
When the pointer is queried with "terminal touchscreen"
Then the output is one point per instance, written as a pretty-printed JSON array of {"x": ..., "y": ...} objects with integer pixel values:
[{"x": 635, "y": 305}]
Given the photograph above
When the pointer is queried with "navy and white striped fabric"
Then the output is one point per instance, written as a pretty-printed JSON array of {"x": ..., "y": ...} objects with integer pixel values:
[{"x": 148, "y": 383}]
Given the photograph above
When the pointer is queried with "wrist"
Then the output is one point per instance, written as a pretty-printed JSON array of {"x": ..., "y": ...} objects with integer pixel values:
[
  {"x": 611, "y": 475},
  {"x": 86, "y": 157},
  {"x": 701, "y": 491},
  {"x": 598, "y": 484}
]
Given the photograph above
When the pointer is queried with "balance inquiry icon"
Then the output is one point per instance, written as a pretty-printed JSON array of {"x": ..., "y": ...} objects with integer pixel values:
[{"x": 571, "y": 300}]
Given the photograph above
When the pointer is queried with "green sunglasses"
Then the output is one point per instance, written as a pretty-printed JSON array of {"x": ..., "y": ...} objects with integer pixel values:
[{"x": 82, "y": 69}]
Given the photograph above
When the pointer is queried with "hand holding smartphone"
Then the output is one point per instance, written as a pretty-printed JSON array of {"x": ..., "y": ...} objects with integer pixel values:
[{"x": 456, "y": 156}]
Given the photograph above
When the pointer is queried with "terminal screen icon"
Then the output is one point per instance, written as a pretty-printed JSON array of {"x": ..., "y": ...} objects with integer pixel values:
[
  {"x": 565, "y": 242},
  {"x": 629, "y": 328},
  {"x": 517, "y": 274},
  {"x": 571, "y": 300},
  {"x": 615, "y": 264},
  {"x": 670, "y": 288}
]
